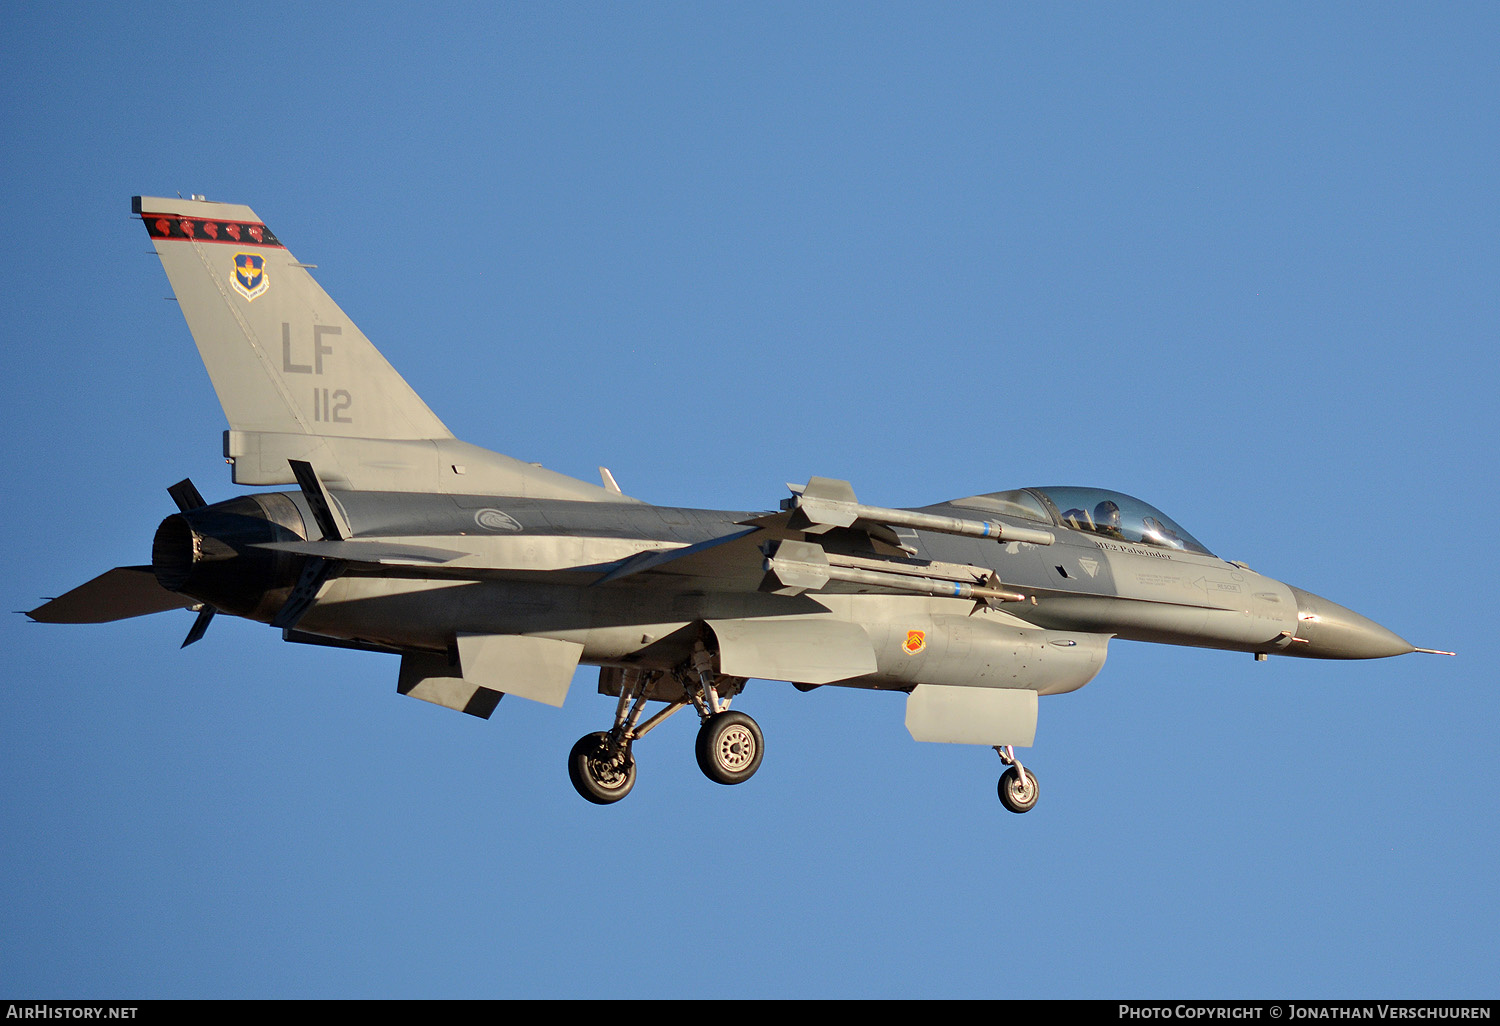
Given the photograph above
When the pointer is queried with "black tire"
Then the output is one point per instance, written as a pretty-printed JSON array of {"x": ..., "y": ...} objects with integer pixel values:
[
  {"x": 595, "y": 775},
  {"x": 730, "y": 747},
  {"x": 1018, "y": 795}
]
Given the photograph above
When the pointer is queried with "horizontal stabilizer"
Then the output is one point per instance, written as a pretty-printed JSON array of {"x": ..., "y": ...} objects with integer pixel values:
[{"x": 117, "y": 594}]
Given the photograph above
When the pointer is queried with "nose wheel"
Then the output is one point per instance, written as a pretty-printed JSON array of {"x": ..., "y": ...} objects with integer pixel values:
[{"x": 1018, "y": 787}]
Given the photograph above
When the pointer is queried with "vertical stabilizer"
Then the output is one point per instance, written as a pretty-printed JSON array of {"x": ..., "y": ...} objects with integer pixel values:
[
  {"x": 299, "y": 381},
  {"x": 282, "y": 355}
]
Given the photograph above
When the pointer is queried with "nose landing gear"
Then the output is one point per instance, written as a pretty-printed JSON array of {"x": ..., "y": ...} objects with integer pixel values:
[{"x": 1018, "y": 787}]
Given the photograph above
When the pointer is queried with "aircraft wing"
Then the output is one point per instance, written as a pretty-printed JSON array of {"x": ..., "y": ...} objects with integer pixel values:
[
  {"x": 858, "y": 548},
  {"x": 729, "y": 559}
]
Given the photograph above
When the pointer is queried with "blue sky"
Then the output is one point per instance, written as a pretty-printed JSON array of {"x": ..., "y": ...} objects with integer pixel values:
[{"x": 1238, "y": 260}]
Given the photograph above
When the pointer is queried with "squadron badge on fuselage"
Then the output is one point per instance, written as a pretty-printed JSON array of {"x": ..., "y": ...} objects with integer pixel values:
[{"x": 250, "y": 278}]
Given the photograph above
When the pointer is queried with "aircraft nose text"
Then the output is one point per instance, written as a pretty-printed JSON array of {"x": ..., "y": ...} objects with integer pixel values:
[{"x": 1326, "y": 630}]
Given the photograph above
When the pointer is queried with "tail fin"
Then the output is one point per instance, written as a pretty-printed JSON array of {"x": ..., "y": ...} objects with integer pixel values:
[
  {"x": 298, "y": 380},
  {"x": 282, "y": 355}
]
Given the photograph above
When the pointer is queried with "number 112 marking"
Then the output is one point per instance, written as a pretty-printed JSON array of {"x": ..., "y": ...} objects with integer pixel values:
[{"x": 332, "y": 406}]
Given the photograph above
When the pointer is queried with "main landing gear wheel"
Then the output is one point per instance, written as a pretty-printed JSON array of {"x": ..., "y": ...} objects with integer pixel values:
[
  {"x": 1018, "y": 789},
  {"x": 730, "y": 747},
  {"x": 600, "y": 770}
]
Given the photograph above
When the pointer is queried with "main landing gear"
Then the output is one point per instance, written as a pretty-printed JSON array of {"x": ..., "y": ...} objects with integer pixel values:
[
  {"x": 601, "y": 769},
  {"x": 729, "y": 747},
  {"x": 1018, "y": 787}
]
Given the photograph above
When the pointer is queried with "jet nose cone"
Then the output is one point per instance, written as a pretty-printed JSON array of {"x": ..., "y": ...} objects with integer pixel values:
[{"x": 1326, "y": 630}]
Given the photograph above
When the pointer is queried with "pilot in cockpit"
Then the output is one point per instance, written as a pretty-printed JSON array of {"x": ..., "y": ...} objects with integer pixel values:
[{"x": 1107, "y": 520}]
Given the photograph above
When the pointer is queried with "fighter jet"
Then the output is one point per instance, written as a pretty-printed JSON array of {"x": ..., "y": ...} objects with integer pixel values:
[{"x": 489, "y": 576}]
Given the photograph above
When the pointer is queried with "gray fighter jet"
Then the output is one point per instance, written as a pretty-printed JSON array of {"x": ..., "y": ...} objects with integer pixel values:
[{"x": 489, "y": 576}]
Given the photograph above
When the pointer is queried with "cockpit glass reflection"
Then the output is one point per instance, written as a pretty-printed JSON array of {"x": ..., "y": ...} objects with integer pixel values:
[{"x": 1118, "y": 516}]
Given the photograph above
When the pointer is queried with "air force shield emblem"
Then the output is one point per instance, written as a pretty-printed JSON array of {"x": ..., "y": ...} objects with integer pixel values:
[{"x": 250, "y": 278}]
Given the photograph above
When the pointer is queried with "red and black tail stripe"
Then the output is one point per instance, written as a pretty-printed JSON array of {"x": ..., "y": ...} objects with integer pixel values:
[{"x": 206, "y": 229}]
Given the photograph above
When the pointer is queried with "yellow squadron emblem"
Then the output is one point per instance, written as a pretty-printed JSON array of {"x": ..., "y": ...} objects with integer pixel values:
[{"x": 250, "y": 279}]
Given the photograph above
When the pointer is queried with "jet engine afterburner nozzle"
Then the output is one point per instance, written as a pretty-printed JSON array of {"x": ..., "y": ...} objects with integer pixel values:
[{"x": 212, "y": 554}]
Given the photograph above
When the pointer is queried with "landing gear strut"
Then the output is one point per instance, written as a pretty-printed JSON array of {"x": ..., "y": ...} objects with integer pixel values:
[
  {"x": 1018, "y": 787},
  {"x": 729, "y": 745}
]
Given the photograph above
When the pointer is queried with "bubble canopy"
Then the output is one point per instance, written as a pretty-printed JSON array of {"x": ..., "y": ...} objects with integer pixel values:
[{"x": 1095, "y": 510}]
